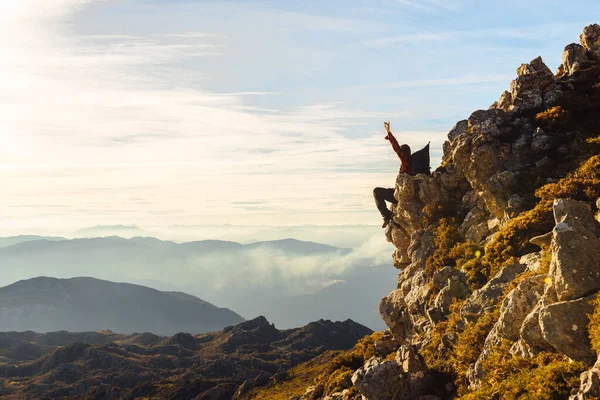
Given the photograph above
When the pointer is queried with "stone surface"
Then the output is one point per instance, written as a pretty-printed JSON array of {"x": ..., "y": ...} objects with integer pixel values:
[
  {"x": 458, "y": 129},
  {"x": 574, "y": 58},
  {"x": 386, "y": 345},
  {"x": 528, "y": 89},
  {"x": 532, "y": 261},
  {"x": 542, "y": 240},
  {"x": 564, "y": 326},
  {"x": 483, "y": 299},
  {"x": 380, "y": 380},
  {"x": 515, "y": 307},
  {"x": 590, "y": 39},
  {"x": 394, "y": 312},
  {"x": 576, "y": 250},
  {"x": 456, "y": 288}
]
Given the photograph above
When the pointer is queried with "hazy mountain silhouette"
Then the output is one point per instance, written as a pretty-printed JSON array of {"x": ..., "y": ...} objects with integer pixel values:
[
  {"x": 12, "y": 240},
  {"x": 86, "y": 304},
  {"x": 251, "y": 279}
]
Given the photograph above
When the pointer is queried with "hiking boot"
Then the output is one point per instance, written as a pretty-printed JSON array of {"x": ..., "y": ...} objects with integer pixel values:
[{"x": 386, "y": 221}]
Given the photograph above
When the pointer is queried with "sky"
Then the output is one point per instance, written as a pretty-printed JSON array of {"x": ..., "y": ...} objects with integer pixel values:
[{"x": 186, "y": 113}]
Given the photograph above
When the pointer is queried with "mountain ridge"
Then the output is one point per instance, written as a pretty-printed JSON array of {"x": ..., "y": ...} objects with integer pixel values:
[{"x": 83, "y": 304}]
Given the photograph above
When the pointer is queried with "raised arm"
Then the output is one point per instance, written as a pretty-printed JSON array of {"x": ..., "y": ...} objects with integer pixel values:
[{"x": 394, "y": 142}]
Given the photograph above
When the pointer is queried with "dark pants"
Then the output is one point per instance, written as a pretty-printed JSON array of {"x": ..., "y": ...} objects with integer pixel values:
[{"x": 381, "y": 196}]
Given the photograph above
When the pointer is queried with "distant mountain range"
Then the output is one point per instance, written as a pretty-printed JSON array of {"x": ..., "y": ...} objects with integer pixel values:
[
  {"x": 86, "y": 304},
  {"x": 262, "y": 278},
  {"x": 104, "y": 365}
]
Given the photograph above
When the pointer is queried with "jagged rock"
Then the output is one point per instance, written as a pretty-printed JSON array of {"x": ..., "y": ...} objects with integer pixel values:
[
  {"x": 574, "y": 58},
  {"x": 590, "y": 385},
  {"x": 564, "y": 326},
  {"x": 386, "y": 345},
  {"x": 542, "y": 142},
  {"x": 515, "y": 307},
  {"x": 531, "y": 339},
  {"x": 399, "y": 238},
  {"x": 590, "y": 39},
  {"x": 533, "y": 80},
  {"x": 414, "y": 367},
  {"x": 505, "y": 101},
  {"x": 542, "y": 240},
  {"x": 483, "y": 300},
  {"x": 409, "y": 360},
  {"x": 394, "y": 312},
  {"x": 488, "y": 122},
  {"x": 576, "y": 250},
  {"x": 474, "y": 227},
  {"x": 481, "y": 158},
  {"x": 460, "y": 128},
  {"x": 380, "y": 380},
  {"x": 532, "y": 261},
  {"x": 456, "y": 288},
  {"x": 420, "y": 290}
]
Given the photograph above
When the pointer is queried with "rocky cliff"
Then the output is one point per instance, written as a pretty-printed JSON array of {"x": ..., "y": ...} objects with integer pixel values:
[{"x": 499, "y": 251}]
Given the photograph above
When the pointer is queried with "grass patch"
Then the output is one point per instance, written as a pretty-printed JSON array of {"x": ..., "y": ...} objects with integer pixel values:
[
  {"x": 512, "y": 241},
  {"x": 544, "y": 377}
]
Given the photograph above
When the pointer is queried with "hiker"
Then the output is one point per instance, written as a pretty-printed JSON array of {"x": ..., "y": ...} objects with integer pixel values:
[
  {"x": 412, "y": 164},
  {"x": 387, "y": 194}
]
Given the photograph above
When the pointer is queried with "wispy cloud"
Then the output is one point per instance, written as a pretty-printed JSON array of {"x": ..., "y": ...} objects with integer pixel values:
[{"x": 458, "y": 80}]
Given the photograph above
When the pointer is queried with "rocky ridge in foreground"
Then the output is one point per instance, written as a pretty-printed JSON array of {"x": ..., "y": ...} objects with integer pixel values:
[{"x": 499, "y": 252}]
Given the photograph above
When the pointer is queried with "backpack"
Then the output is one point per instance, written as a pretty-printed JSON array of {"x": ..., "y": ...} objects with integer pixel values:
[{"x": 419, "y": 162}]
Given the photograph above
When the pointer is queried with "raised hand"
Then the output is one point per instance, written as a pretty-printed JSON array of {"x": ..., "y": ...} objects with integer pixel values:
[{"x": 386, "y": 125}]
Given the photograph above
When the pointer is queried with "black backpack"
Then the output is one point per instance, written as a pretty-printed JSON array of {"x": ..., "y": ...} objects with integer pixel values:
[{"x": 419, "y": 162}]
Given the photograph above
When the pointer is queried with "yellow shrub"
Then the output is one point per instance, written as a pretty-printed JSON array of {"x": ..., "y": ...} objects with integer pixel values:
[
  {"x": 507, "y": 377},
  {"x": 594, "y": 325}
]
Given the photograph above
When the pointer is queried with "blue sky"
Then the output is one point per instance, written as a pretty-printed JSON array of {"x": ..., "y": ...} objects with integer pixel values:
[{"x": 159, "y": 113}]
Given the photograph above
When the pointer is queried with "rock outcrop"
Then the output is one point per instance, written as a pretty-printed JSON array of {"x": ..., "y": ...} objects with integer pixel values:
[
  {"x": 493, "y": 162},
  {"x": 499, "y": 248}
]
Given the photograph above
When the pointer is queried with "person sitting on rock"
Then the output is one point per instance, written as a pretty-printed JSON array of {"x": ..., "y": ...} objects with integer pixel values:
[{"x": 387, "y": 194}]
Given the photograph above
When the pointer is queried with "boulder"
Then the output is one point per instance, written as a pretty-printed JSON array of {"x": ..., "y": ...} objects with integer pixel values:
[
  {"x": 564, "y": 326},
  {"x": 414, "y": 369},
  {"x": 575, "y": 250},
  {"x": 394, "y": 312},
  {"x": 380, "y": 380},
  {"x": 531, "y": 340}
]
